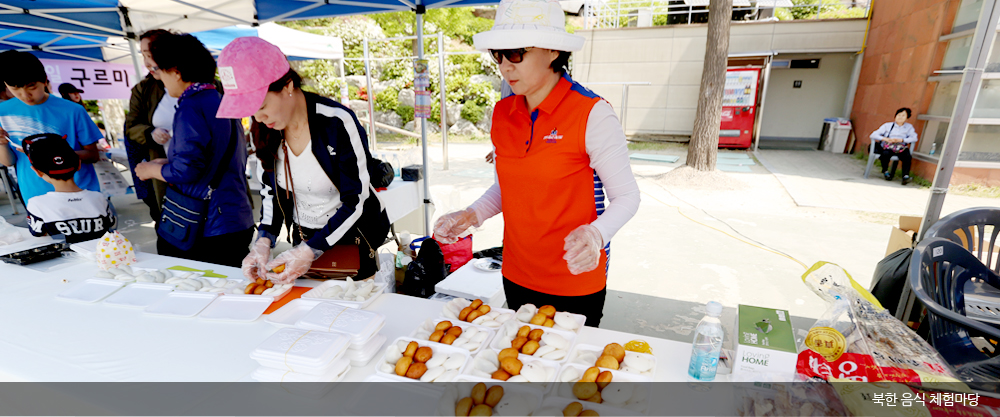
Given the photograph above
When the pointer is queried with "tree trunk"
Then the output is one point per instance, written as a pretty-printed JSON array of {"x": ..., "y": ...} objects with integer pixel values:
[{"x": 705, "y": 139}]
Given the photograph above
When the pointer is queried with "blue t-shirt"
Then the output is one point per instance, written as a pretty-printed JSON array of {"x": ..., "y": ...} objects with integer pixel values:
[{"x": 55, "y": 115}]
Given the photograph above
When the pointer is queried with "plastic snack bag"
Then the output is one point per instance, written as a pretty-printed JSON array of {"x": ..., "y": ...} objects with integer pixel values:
[
  {"x": 9, "y": 234},
  {"x": 114, "y": 250},
  {"x": 858, "y": 340}
]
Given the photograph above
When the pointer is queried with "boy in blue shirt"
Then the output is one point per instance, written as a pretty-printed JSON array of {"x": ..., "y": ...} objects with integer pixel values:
[{"x": 35, "y": 111}]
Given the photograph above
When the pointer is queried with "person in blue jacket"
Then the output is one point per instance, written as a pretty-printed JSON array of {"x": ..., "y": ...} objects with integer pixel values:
[
  {"x": 313, "y": 165},
  {"x": 199, "y": 141}
]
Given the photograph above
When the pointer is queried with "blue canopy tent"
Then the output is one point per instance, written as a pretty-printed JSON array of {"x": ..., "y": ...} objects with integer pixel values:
[{"x": 48, "y": 45}]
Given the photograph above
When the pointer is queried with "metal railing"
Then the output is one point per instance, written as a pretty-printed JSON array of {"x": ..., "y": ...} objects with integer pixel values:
[{"x": 602, "y": 14}]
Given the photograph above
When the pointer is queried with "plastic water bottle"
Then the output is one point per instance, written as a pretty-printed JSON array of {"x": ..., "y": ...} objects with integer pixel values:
[
  {"x": 933, "y": 148},
  {"x": 707, "y": 345}
]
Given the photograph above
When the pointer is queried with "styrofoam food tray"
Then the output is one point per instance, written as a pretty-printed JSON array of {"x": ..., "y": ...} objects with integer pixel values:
[
  {"x": 139, "y": 294},
  {"x": 277, "y": 296},
  {"x": 455, "y": 392},
  {"x": 236, "y": 308},
  {"x": 565, "y": 389},
  {"x": 304, "y": 351},
  {"x": 288, "y": 314},
  {"x": 580, "y": 319},
  {"x": 559, "y": 403},
  {"x": 437, "y": 348},
  {"x": 359, "y": 325},
  {"x": 363, "y": 356},
  {"x": 370, "y": 344},
  {"x": 181, "y": 303},
  {"x": 551, "y": 368},
  {"x": 501, "y": 335},
  {"x": 317, "y": 292},
  {"x": 598, "y": 350},
  {"x": 91, "y": 290},
  {"x": 266, "y": 374},
  {"x": 456, "y": 323},
  {"x": 447, "y": 313}
]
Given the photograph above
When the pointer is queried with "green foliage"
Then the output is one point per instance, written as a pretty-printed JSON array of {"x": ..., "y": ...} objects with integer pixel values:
[
  {"x": 472, "y": 112},
  {"x": 783, "y": 14},
  {"x": 406, "y": 113},
  {"x": 91, "y": 106},
  {"x": 354, "y": 93},
  {"x": 387, "y": 100},
  {"x": 435, "y": 112},
  {"x": 807, "y": 9},
  {"x": 848, "y": 13},
  {"x": 319, "y": 76}
]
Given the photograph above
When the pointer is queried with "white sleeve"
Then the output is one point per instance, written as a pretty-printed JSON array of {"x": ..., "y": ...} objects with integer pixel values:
[
  {"x": 911, "y": 134},
  {"x": 608, "y": 151},
  {"x": 488, "y": 205}
]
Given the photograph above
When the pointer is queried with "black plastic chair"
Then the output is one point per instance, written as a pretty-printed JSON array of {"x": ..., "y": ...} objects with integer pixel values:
[
  {"x": 977, "y": 230},
  {"x": 939, "y": 271}
]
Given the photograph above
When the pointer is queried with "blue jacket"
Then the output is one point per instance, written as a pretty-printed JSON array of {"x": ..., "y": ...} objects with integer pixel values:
[
  {"x": 196, "y": 149},
  {"x": 341, "y": 148}
]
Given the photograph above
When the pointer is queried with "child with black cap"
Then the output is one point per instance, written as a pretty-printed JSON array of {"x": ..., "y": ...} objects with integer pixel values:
[{"x": 78, "y": 214}]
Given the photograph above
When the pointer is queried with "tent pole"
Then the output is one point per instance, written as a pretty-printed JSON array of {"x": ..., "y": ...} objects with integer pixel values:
[
  {"x": 444, "y": 100},
  {"x": 135, "y": 59},
  {"x": 371, "y": 101},
  {"x": 423, "y": 129}
]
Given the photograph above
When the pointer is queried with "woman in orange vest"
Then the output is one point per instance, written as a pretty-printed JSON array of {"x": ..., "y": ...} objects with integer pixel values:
[{"x": 550, "y": 138}]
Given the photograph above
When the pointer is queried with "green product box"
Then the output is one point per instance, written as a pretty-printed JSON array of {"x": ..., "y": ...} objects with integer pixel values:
[{"x": 765, "y": 345}]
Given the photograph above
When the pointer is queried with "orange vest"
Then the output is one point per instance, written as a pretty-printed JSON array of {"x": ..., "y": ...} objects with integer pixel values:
[{"x": 547, "y": 187}]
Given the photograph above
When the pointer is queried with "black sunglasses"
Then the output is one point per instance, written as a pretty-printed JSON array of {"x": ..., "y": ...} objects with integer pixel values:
[{"x": 514, "y": 56}]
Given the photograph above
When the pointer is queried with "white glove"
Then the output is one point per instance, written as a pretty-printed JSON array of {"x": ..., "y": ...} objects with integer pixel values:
[
  {"x": 583, "y": 249},
  {"x": 161, "y": 136},
  {"x": 296, "y": 262},
  {"x": 451, "y": 225},
  {"x": 260, "y": 254}
]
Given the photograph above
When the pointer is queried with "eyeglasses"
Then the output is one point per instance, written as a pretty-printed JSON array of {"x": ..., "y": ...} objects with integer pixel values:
[
  {"x": 154, "y": 68},
  {"x": 514, "y": 56}
]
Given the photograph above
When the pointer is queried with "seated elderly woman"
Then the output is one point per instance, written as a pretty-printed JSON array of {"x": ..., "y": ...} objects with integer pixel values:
[{"x": 895, "y": 138}]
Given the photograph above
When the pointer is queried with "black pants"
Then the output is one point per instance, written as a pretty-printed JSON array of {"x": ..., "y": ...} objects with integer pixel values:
[
  {"x": 154, "y": 207},
  {"x": 904, "y": 157},
  {"x": 369, "y": 264},
  {"x": 228, "y": 249},
  {"x": 591, "y": 305}
]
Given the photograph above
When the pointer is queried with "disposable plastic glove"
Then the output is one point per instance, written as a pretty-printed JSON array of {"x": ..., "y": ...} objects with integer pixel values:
[
  {"x": 451, "y": 225},
  {"x": 260, "y": 254},
  {"x": 296, "y": 262},
  {"x": 583, "y": 249}
]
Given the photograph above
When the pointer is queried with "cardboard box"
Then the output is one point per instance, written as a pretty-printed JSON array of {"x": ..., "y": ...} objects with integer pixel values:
[
  {"x": 902, "y": 237},
  {"x": 765, "y": 345}
]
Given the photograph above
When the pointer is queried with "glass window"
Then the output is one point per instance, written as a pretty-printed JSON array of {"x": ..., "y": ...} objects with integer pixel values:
[
  {"x": 981, "y": 144},
  {"x": 988, "y": 100},
  {"x": 957, "y": 53},
  {"x": 934, "y": 133},
  {"x": 967, "y": 16},
  {"x": 993, "y": 63},
  {"x": 943, "y": 102}
]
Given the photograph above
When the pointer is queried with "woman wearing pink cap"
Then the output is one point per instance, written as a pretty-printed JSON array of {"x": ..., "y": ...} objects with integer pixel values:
[{"x": 314, "y": 164}]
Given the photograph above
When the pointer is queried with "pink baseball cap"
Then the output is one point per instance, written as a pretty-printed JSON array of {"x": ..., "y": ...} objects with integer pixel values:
[{"x": 247, "y": 66}]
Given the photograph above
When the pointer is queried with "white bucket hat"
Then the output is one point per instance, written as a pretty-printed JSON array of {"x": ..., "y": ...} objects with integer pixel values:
[{"x": 528, "y": 23}]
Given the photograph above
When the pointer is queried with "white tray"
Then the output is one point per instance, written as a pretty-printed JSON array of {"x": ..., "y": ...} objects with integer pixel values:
[
  {"x": 358, "y": 325},
  {"x": 565, "y": 389},
  {"x": 437, "y": 348},
  {"x": 182, "y": 304},
  {"x": 462, "y": 303},
  {"x": 501, "y": 335},
  {"x": 319, "y": 289},
  {"x": 288, "y": 314},
  {"x": 139, "y": 295},
  {"x": 273, "y": 296},
  {"x": 457, "y": 323},
  {"x": 335, "y": 374},
  {"x": 598, "y": 350},
  {"x": 580, "y": 319},
  {"x": 560, "y": 403},
  {"x": 551, "y": 368},
  {"x": 455, "y": 392},
  {"x": 91, "y": 290},
  {"x": 236, "y": 308},
  {"x": 362, "y": 357}
]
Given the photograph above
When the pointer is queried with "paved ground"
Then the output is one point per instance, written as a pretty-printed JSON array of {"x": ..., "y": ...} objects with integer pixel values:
[{"x": 814, "y": 206}]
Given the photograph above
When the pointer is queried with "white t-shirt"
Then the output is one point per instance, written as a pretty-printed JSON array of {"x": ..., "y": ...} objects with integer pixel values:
[
  {"x": 316, "y": 198},
  {"x": 163, "y": 116},
  {"x": 80, "y": 216}
]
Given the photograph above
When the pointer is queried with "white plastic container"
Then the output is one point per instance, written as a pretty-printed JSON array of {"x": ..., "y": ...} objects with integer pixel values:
[
  {"x": 302, "y": 351},
  {"x": 359, "y": 325},
  {"x": 288, "y": 314},
  {"x": 436, "y": 348},
  {"x": 276, "y": 296},
  {"x": 564, "y": 386},
  {"x": 557, "y": 404},
  {"x": 140, "y": 294},
  {"x": 236, "y": 308},
  {"x": 479, "y": 366},
  {"x": 336, "y": 373},
  {"x": 502, "y": 340},
  {"x": 361, "y": 357},
  {"x": 580, "y": 319},
  {"x": 424, "y": 331},
  {"x": 524, "y": 397},
  {"x": 497, "y": 315},
  {"x": 91, "y": 290},
  {"x": 316, "y": 293},
  {"x": 596, "y": 351},
  {"x": 181, "y": 304}
]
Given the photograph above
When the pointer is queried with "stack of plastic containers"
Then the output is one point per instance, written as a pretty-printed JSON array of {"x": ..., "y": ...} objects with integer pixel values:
[
  {"x": 361, "y": 327},
  {"x": 296, "y": 355}
]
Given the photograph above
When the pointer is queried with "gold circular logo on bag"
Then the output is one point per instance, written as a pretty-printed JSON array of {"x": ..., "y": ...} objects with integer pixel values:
[{"x": 826, "y": 341}]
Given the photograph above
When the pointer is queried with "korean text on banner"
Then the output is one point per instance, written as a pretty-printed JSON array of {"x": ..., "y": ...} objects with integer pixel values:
[{"x": 98, "y": 80}]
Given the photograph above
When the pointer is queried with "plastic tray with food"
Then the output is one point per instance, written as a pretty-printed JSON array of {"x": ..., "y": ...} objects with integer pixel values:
[
  {"x": 559, "y": 406},
  {"x": 406, "y": 359},
  {"x": 454, "y": 333},
  {"x": 476, "y": 313},
  {"x": 355, "y": 294},
  {"x": 261, "y": 286},
  {"x": 547, "y": 316},
  {"x": 130, "y": 274},
  {"x": 618, "y": 389},
  {"x": 509, "y": 366},
  {"x": 614, "y": 356},
  {"x": 537, "y": 341},
  {"x": 485, "y": 398}
]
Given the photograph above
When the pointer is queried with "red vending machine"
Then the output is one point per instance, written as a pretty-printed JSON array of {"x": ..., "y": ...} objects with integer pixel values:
[{"x": 739, "y": 110}]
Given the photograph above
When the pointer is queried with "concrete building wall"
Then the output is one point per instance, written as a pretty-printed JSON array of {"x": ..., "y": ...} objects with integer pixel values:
[
  {"x": 672, "y": 57},
  {"x": 798, "y": 113}
]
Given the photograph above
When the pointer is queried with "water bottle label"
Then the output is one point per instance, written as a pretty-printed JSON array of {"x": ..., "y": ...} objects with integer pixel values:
[{"x": 704, "y": 365}]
